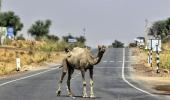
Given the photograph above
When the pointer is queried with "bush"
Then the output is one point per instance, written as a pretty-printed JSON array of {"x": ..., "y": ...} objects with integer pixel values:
[
  {"x": 7, "y": 41},
  {"x": 117, "y": 44},
  {"x": 166, "y": 39},
  {"x": 21, "y": 37},
  {"x": 132, "y": 45}
]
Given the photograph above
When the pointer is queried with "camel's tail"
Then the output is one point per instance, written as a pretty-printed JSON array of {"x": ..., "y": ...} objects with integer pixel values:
[{"x": 67, "y": 50}]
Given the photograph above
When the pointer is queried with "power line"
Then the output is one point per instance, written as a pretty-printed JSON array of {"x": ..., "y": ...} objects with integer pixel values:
[
  {"x": 0, "y": 5},
  {"x": 84, "y": 31}
]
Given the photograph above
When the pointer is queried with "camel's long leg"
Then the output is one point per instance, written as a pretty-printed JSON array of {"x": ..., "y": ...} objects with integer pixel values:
[
  {"x": 91, "y": 83},
  {"x": 60, "y": 82},
  {"x": 84, "y": 83},
  {"x": 64, "y": 72},
  {"x": 70, "y": 72}
]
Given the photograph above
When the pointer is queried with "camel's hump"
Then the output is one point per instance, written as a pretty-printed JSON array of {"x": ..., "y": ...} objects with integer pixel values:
[{"x": 79, "y": 51}]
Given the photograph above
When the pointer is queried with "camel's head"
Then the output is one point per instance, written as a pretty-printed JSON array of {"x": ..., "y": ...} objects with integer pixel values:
[{"x": 102, "y": 49}]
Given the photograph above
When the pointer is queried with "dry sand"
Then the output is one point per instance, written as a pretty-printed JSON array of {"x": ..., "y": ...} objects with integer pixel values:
[{"x": 158, "y": 83}]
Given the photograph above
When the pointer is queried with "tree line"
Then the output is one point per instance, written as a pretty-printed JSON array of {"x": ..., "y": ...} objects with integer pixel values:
[
  {"x": 160, "y": 29},
  {"x": 37, "y": 30}
]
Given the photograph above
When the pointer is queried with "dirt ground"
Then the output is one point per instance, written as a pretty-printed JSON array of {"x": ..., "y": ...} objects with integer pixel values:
[
  {"x": 36, "y": 66},
  {"x": 143, "y": 73}
]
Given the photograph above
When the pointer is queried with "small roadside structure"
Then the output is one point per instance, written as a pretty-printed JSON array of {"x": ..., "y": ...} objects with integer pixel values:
[
  {"x": 72, "y": 40},
  {"x": 3, "y": 33},
  {"x": 6, "y": 32},
  {"x": 140, "y": 41}
]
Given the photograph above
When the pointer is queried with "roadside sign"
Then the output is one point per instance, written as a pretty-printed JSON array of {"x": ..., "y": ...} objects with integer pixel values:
[
  {"x": 10, "y": 32},
  {"x": 153, "y": 43},
  {"x": 72, "y": 40},
  {"x": 3, "y": 33}
]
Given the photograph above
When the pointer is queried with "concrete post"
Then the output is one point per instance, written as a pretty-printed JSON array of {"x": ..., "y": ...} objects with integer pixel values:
[{"x": 18, "y": 62}]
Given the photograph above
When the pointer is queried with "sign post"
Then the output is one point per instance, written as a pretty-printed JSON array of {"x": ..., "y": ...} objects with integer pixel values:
[
  {"x": 18, "y": 62},
  {"x": 154, "y": 45},
  {"x": 72, "y": 40},
  {"x": 10, "y": 32},
  {"x": 157, "y": 59}
]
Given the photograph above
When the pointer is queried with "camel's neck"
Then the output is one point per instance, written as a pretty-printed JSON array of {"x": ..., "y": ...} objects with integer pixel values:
[{"x": 97, "y": 59}]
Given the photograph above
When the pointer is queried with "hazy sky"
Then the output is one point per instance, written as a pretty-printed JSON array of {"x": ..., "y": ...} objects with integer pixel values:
[{"x": 104, "y": 20}]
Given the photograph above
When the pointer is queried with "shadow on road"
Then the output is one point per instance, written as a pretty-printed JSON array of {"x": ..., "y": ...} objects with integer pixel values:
[{"x": 78, "y": 97}]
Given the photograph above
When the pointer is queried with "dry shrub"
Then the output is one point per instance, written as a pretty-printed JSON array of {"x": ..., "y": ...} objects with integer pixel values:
[
  {"x": 30, "y": 52},
  {"x": 165, "y": 56}
]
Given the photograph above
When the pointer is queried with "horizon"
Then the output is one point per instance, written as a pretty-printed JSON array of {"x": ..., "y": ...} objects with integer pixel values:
[{"x": 104, "y": 21}]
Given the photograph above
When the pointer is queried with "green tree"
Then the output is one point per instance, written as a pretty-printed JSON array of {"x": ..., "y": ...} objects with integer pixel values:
[
  {"x": 65, "y": 38},
  {"x": 0, "y": 5},
  {"x": 12, "y": 20},
  {"x": 81, "y": 39},
  {"x": 40, "y": 28},
  {"x": 20, "y": 37},
  {"x": 117, "y": 44},
  {"x": 160, "y": 28},
  {"x": 168, "y": 26},
  {"x": 53, "y": 37}
]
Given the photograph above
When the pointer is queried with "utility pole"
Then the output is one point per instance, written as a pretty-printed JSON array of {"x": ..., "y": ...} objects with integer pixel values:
[
  {"x": 84, "y": 32},
  {"x": 0, "y": 5},
  {"x": 146, "y": 30}
]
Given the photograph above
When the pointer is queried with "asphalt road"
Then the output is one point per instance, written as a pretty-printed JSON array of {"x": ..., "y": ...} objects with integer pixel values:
[{"x": 111, "y": 82}]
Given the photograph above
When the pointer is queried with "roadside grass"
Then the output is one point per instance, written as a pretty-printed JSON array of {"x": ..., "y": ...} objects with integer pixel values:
[
  {"x": 165, "y": 56},
  {"x": 31, "y": 52}
]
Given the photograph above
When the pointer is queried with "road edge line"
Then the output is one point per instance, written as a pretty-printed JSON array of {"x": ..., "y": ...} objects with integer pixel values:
[
  {"x": 5, "y": 83},
  {"x": 126, "y": 81}
]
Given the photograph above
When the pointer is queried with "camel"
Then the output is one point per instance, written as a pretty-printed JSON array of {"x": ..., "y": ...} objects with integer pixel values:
[{"x": 80, "y": 59}]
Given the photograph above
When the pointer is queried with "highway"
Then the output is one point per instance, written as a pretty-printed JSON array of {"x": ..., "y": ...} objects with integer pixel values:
[{"x": 111, "y": 82}]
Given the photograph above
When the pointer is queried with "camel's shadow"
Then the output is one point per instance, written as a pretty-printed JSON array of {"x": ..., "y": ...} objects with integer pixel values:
[{"x": 78, "y": 97}]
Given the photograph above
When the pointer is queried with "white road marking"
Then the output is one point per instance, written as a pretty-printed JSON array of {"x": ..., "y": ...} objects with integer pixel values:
[
  {"x": 2, "y": 84},
  {"x": 129, "y": 61},
  {"x": 78, "y": 74},
  {"x": 124, "y": 79},
  {"x": 104, "y": 61},
  {"x": 107, "y": 67}
]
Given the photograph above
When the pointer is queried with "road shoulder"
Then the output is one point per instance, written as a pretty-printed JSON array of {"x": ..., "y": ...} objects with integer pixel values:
[
  {"x": 26, "y": 73},
  {"x": 146, "y": 76}
]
